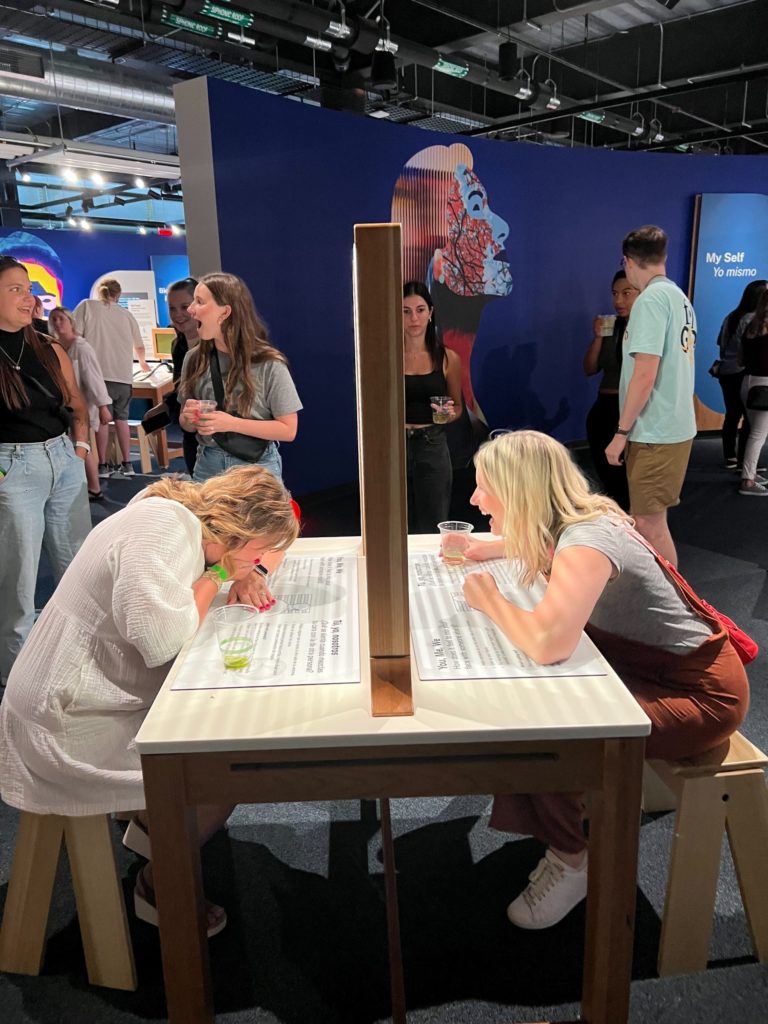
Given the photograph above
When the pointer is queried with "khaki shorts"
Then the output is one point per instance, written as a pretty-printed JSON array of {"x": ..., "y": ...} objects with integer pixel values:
[{"x": 655, "y": 473}]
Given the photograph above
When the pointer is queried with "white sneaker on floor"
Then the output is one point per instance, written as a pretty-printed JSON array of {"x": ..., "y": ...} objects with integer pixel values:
[
  {"x": 554, "y": 890},
  {"x": 754, "y": 490}
]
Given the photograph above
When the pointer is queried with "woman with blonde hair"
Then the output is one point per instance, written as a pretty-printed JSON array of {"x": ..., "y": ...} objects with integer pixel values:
[
  {"x": 674, "y": 656},
  {"x": 114, "y": 335},
  {"x": 97, "y": 656},
  {"x": 236, "y": 366},
  {"x": 61, "y": 325}
]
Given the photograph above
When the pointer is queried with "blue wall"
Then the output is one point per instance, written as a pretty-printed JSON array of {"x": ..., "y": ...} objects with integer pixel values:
[
  {"x": 84, "y": 256},
  {"x": 292, "y": 180}
]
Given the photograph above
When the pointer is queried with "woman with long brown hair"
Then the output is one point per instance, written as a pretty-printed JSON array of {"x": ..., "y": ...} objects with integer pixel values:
[
  {"x": 236, "y": 366},
  {"x": 43, "y": 494}
]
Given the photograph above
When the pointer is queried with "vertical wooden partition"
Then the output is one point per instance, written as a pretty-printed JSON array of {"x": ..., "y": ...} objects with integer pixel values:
[{"x": 381, "y": 443}]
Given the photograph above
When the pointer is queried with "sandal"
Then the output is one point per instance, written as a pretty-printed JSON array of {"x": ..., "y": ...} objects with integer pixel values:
[
  {"x": 136, "y": 838},
  {"x": 145, "y": 909},
  {"x": 95, "y": 495}
]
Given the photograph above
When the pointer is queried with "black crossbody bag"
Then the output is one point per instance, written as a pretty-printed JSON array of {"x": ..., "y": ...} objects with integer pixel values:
[{"x": 249, "y": 449}]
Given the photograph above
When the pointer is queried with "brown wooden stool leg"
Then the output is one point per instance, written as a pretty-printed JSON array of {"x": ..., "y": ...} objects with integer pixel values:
[
  {"x": 692, "y": 883},
  {"x": 100, "y": 904},
  {"x": 747, "y": 824},
  {"x": 35, "y": 859}
]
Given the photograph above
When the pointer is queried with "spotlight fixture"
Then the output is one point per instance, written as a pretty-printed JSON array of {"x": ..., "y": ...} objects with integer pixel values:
[
  {"x": 175, "y": 229},
  {"x": 383, "y": 67},
  {"x": 553, "y": 103},
  {"x": 655, "y": 131},
  {"x": 522, "y": 82},
  {"x": 85, "y": 225},
  {"x": 142, "y": 229},
  {"x": 68, "y": 213},
  {"x": 26, "y": 177},
  {"x": 639, "y": 128},
  {"x": 71, "y": 220},
  {"x": 139, "y": 182},
  {"x": 118, "y": 201},
  {"x": 152, "y": 194},
  {"x": 507, "y": 61},
  {"x": 97, "y": 179},
  {"x": 69, "y": 175}
]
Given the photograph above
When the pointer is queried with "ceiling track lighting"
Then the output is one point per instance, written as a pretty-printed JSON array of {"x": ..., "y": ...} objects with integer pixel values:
[
  {"x": 553, "y": 103},
  {"x": 655, "y": 130},
  {"x": 383, "y": 67},
  {"x": 523, "y": 86}
]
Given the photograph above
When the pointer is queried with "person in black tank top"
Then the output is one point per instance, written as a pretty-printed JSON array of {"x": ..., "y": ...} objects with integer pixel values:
[
  {"x": 430, "y": 371},
  {"x": 43, "y": 495}
]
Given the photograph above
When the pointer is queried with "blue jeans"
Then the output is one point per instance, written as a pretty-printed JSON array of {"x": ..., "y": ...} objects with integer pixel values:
[
  {"x": 43, "y": 506},
  {"x": 212, "y": 461}
]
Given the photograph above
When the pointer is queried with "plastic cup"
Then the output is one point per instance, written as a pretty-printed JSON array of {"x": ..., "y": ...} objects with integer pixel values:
[
  {"x": 234, "y": 625},
  {"x": 454, "y": 540},
  {"x": 441, "y": 410},
  {"x": 205, "y": 406},
  {"x": 607, "y": 325}
]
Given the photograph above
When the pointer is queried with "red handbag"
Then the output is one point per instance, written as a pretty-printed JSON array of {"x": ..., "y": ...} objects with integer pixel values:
[{"x": 746, "y": 648}]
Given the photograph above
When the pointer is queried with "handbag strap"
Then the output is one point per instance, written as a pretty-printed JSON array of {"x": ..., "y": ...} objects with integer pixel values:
[
  {"x": 689, "y": 595},
  {"x": 218, "y": 387}
]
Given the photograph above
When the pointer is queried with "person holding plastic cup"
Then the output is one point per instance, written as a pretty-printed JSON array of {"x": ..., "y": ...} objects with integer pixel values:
[
  {"x": 604, "y": 355},
  {"x": 432, "y": 398},
  {"x": 601, "y": 576},
  {"x": 136, "y": 591},
  {"x": 235, "y": 364}
]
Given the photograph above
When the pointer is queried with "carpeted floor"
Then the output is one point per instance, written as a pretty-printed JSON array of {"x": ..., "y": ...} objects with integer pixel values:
[{"x": 303, "y": 883}]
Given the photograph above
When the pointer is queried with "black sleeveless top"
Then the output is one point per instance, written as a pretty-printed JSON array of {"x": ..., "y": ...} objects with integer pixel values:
[
  {"x": 39, "y": 420},
  {"x": 419, "y": 387}
]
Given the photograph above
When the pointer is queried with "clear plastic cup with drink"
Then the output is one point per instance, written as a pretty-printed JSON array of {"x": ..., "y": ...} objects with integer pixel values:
[
  {"x": 234, "y": 632},
  {"x": 607, "y": 324},
  {"x": 442, "y": 406},
  {"x": 454, "y": 540}
]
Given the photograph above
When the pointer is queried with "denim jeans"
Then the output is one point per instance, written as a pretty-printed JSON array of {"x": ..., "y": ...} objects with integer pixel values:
[
  {"x": 430, "y": 478},
  {"x": 43, "y": 506},
  {"x": 212, "y": 461}
]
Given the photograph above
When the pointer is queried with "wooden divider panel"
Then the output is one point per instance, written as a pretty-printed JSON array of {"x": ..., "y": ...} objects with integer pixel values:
[{"x": 381, "y": 441}]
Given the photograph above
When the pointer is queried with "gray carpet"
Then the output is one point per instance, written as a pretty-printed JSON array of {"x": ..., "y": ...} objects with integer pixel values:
[{"x": 303, "y": 884}]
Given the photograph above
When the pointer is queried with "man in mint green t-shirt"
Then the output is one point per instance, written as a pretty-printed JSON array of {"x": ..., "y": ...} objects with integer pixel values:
[{"x": 657, "y": 422}]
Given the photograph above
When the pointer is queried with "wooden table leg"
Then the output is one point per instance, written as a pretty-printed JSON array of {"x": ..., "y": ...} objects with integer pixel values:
[
  {"x": 612, "y": 890},
  {"x": 179, "y": 891},
  {"x": 396, "y": 981}
]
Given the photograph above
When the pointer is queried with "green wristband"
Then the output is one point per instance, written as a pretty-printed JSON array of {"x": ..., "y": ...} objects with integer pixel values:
[{"x": 220, "y": 571}]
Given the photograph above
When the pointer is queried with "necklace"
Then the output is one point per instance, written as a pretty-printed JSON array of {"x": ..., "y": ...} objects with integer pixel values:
[{"x": 16, "y": 364}]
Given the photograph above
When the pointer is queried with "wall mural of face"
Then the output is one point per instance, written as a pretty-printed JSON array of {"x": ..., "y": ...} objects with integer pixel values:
[
  {"x": 474, "y": 261},
  {"x": 455, "y": 243}
]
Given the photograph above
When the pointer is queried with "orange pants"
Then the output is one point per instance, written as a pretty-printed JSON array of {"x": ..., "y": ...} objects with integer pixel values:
[{"x": 695, "y": 701}]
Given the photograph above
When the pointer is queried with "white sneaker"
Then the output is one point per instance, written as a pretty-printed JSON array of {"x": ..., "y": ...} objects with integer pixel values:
[{"x": 554, "y": 890}]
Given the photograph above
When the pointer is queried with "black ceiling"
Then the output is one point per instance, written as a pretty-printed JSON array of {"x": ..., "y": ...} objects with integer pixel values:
[{"x": 686, "y": 75}]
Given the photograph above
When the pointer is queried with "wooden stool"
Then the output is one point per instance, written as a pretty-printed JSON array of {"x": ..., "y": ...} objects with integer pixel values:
[
  {"x": 139, "y": 441},
  {"x": 721, "y": 791},
  {"x": 98, "y": 895}
]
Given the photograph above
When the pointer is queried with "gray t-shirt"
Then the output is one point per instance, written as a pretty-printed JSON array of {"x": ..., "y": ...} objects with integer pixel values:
[
  {"x": 639, "y": 602},
  {"x": 275, "y": 395}
]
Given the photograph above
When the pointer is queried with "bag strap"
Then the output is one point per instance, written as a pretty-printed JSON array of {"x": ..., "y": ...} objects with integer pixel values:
[
  {"x": 689, "y": 595},
  {"x": 218, "y": 387}
]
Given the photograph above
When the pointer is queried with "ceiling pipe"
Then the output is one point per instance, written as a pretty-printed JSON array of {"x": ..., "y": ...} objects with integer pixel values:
[{"x": 108, "y": 91}]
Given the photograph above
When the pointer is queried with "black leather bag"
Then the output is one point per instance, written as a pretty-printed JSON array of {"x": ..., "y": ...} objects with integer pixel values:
[
  {"x": 156, "y": 418},
  {"x": 757, "y": 398},
  {"x": 249, "y": 449}
]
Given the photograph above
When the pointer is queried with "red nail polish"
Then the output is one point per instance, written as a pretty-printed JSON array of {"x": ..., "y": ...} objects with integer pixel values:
[{"x": 257, "y": 561}]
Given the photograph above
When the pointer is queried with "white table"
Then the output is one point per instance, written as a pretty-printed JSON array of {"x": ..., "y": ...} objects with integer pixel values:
[{"x": 321, "y": 743}]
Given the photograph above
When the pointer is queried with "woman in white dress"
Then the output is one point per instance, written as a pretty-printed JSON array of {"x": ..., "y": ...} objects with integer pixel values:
[{"x": 97, "y": 656}]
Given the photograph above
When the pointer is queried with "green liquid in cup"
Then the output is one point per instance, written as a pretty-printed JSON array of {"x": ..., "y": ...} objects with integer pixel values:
[{"x": 236, "y": 652}]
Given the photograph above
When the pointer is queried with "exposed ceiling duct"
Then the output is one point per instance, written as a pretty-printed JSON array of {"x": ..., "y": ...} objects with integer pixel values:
[{"x": 106, "y": 91}]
